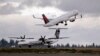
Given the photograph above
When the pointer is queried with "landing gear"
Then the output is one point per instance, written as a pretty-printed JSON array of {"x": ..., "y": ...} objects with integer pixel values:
[
  {"x": 29, "y": 46},
  {"x": 20, "y": 46},
  {"x": 61, "y": 22},
  {"x": 57, "y": 24},
  {"x": 49, "y": 45},
  {"x": 65, "y": 23}
]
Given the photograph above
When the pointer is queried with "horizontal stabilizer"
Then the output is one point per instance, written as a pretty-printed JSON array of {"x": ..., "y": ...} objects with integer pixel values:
[
  {"x": 63, "y": 37},
  {"x": 58, "y": 28},
  {"x": 19, "y": 38},
  {"x": 36, "y": 17},
  {"x": 59, "y": 38},
  {"x": 14, "y": 37},
  {"x": 39, "y": 24},
  {"x": 29, "y": 38}
]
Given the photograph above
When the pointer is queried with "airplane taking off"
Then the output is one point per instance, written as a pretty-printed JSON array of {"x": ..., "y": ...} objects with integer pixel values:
[
  {"x": 71, "y": 16},
  {"x": 43, "y": 40}
]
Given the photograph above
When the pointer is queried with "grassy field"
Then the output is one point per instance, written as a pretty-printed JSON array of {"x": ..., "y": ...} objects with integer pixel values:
[
  {"x": 48, "y": 54},
  {"x": 69, "y": 50}
]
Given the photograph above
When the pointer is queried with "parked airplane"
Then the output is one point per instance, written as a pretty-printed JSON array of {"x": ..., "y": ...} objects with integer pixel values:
[
  {"x": 71, "y": 16},
  {"x": 43, "y": 40}
]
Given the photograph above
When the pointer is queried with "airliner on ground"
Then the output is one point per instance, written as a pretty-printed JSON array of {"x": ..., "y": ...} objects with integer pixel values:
[
  {"x": 43, "y": 40},
  {"x": 71, "y": 16}
]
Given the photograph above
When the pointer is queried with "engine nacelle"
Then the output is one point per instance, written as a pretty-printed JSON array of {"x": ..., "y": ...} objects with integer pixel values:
[
  {"x": 61, "y": 22},
  {"x": 57, "y": 24},
  {"x": 65, "y": 24},
  {"x": 72, "y": 20}
]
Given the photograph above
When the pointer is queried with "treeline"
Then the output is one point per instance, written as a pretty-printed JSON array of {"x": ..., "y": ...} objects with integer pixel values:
[
  {"x": 93, "y": 45},
  {"x": 6, "y": 44}
]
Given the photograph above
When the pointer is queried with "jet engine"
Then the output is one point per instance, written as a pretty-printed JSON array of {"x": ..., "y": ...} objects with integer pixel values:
[
  {"x": 57, "y": 24},
  {"x": 61, "y": 22},
  {"x": 72, "y": 20}
]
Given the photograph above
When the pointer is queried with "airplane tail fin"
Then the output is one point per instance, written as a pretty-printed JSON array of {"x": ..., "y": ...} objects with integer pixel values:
[
  {"x": 45, "y": 19},
  {"x": 57, "y": 33}
]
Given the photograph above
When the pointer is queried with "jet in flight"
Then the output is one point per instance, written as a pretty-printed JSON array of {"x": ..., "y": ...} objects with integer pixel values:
[{"x": 71, "y": 16}]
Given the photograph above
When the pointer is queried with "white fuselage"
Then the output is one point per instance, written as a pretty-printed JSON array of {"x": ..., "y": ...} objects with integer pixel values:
[
  {"x": 65, "y": 17},
  {"x": 38, "y": 42}
]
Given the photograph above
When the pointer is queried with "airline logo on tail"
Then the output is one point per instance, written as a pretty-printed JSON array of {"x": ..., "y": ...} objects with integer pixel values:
[{"x": 45, "y": 19}]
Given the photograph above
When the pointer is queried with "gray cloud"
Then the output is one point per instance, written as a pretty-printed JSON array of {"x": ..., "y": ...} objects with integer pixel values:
[
  {"x": 29, "y": 3},
  {"x": 87, "y": 6},
  {"x": 8, "y": 9},
  {"x": 41, "y": 3}
]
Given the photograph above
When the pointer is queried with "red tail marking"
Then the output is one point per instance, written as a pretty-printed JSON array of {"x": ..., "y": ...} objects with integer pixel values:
[{"x": 45, "y": 19}]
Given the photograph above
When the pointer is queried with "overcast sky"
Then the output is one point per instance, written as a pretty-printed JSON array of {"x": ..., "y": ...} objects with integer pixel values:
[{"x": 16, "y": 19}]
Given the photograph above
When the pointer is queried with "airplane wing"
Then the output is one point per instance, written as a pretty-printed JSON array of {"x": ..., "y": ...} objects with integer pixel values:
[
  {"x": 52, "y": 38},
  {"x": 19, "y": 38},
  {"x": 29, "y": 38},
  {"x": 41, "y": 18},
  {"x": 63, "y": 37},
  {"x": 14, "y": 37},
  {"x": 39, "y": 24},
  {"x": 58, "y": 38},
  {"x": 58, "y": 28}
]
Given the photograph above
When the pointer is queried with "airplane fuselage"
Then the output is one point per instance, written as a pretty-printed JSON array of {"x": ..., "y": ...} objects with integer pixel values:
[
  {"x": 51, "y": 41},
  {"x": 64, "y": 17}
]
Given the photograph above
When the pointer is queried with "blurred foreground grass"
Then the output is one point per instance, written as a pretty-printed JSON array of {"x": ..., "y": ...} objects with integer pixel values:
[{"x": 69, "y": 50}]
